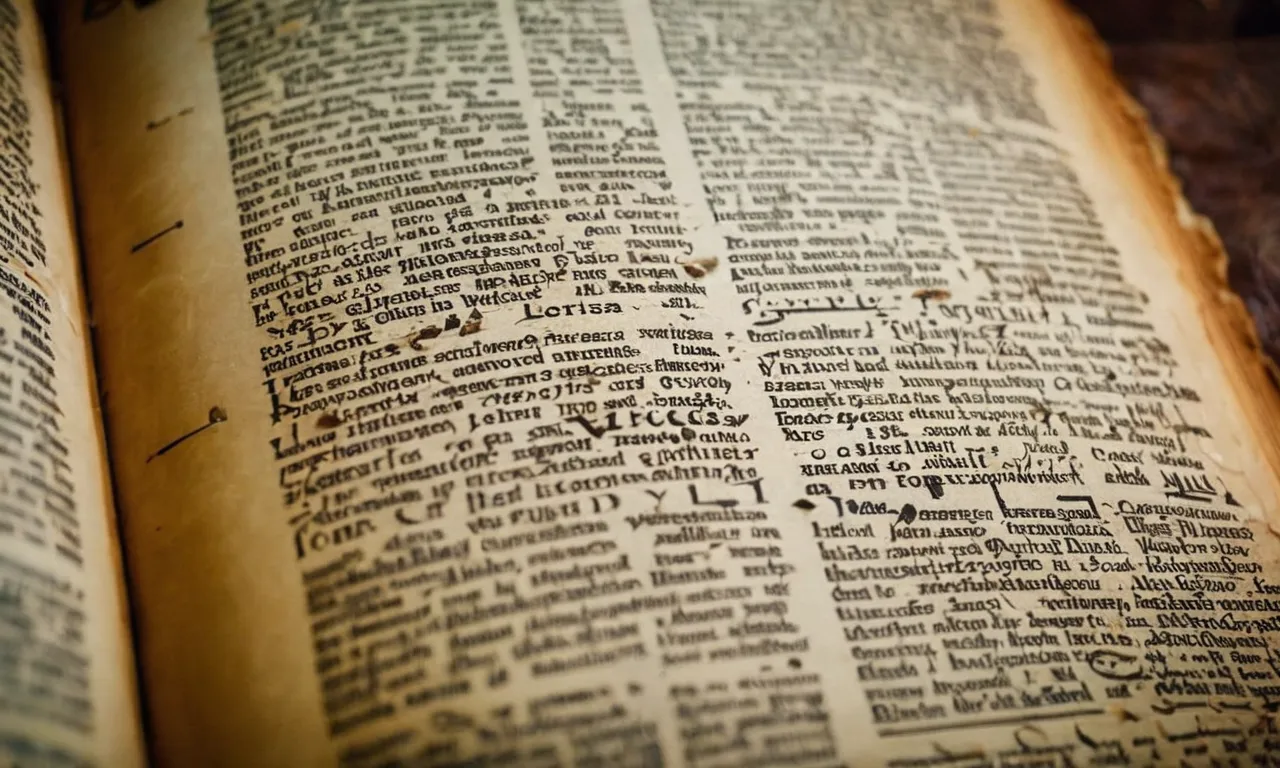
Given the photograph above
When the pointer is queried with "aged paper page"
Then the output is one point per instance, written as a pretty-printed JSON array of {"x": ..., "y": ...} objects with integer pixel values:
[
  {"x": 67, "y": 683},
  {"x": 727, "y": 383}
]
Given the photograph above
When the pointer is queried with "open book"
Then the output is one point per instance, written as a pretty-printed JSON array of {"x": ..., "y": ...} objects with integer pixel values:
[{"x": 616, "y": 383}]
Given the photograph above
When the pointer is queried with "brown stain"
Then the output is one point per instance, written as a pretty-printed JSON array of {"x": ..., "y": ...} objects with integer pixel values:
[
  {"x": 700, "y": 267},
  {"x": 328, "y": 420},
  {"x": 935, "y": 294},
  {"x": 1121, "y": 713},
  {"x": 426, "y": 334},
  {"x": 37, "y": 282},
  {"x": 804, "y": 505},
  {"x": 473, "y": 323}
]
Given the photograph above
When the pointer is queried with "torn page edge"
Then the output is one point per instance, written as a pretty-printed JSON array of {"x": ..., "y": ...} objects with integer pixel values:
[{"x": 1230, "y": 328}]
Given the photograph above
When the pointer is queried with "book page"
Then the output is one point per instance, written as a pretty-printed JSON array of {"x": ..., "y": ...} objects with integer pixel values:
[
  {"x": 67, "y": 682},
  {"x": 728, "y": 383}
]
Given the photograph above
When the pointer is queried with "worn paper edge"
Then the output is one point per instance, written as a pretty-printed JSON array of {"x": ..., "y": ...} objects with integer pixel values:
[{"x": 1197, "y": 250}]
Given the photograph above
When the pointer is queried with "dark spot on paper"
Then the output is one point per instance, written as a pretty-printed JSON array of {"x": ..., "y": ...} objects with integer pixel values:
[
  {"x": 936, "y": 294},
  {"x": 154, "y": 124},
  {"x": 139, "y": 246},
  {"x": 934, "y": 484},
  {"x": 805, "y": 505},
  {"x": 217, "y": 415},
  {"x": 700, "y": 267},
  {"x": 473, "y": 323},
  {"x": 426, "y": 334},
  {"x": 687, "y": 433},
  {"x": 99, "y": 9},
  {"x": 328, "y": 420},
  {"x": 36, "y": 281},
  {"x": 794, "y": 663}
]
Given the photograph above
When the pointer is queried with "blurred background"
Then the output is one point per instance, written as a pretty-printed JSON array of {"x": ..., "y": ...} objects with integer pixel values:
[{"x": 1208, "y": 72}]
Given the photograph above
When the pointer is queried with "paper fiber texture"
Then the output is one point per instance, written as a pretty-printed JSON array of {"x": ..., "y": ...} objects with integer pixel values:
[{"x": 666, "y": 383}]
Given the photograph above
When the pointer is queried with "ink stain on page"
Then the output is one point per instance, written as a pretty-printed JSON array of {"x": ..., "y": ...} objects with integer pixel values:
[
  {"x": 217, "y": 415},
  {"x": 1122, "y": 714},
  {"x": 328, "y": 420},
  {"x": 154, "y": 124},
  {"x": 426, "y": 334},
  {"x": 139, "y": 246},
  {"x": 470, "y": 326}
]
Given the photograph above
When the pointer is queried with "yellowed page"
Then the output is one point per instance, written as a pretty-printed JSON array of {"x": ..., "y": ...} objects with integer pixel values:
[
  {"x": 726, "y": 383},
  {"x": 67, "y": 682}
]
